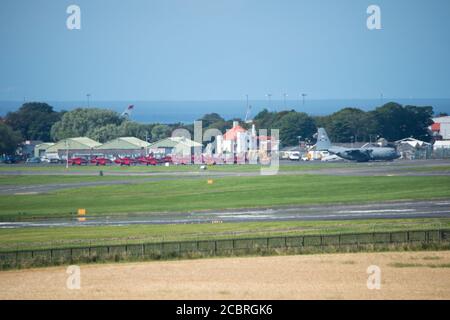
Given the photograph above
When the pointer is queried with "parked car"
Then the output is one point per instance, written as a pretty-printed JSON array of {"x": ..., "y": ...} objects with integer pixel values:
[
  {"x": 10, "y": 159},
  {"x": 78, "y": 161},
  {"x": 331, "y": 157},
  {"x": 33, "y": 160},
  {"x": 51, "y": 160},
  {"x": 294, "y": 156}
]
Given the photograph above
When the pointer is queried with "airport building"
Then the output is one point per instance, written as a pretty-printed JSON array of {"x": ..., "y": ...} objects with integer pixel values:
[
  {"x": 41, "y": 149},
  {"x": 441, "y": 127},
  {"x": 237, "y": 140},
  {"x": 123, "y": 147},
  {"x": 412, "y": 149},
  {"x": 180, "y": 146},
  {"x": 71, "y": 147}
]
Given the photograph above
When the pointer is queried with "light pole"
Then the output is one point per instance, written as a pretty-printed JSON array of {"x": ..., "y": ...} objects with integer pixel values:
[
  {"x": 303, "y": 97},
  {"x": 67, "y": 154},
  {"x": 284, "y": 99},
  {"x": 88, "y": 96},
  {"x": 269, "y": 97}
]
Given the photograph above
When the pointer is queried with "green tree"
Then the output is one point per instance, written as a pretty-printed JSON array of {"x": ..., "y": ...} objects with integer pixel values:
[
  {"x": 395, "y": 122},
  {"x": 160, "y": 131},
  {"x": 211, "y": 118},
  {"x": 349, "y": 124},
  {"x": 33, "y": 120},
  {"x": 84, "y": 122},
  {"x": 265, "y": 119},
  {"x": 9, "y": 139},
  {"x": 134, "y": 129},
  {"x": 105, "y": 133},
  {"x": 292, "y": 125}
]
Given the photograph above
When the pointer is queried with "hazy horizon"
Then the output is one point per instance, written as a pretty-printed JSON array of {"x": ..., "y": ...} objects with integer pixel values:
[{"x": 188, "y": 111}]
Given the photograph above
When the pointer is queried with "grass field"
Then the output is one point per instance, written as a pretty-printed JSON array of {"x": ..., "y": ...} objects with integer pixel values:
[
  {"x": 40, "y": 238},
  {"x": 50, "y": 179},
  {"x": 320, "y": 276},
  {"x": 230, "y": 192}
]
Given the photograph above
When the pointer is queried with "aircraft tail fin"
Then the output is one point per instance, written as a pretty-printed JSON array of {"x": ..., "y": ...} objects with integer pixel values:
[{"x": 323, "y": 142}]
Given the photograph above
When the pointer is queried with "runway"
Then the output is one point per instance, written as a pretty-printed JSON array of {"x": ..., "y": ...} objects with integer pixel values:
[
  {"x": 399, "y": 168},
  {"x": 386, "y": 210}
]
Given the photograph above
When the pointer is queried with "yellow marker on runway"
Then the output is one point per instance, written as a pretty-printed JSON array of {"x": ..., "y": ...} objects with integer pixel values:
[
  {"x": 210, "y": 181},
  {"x": 81, "y": 212}
]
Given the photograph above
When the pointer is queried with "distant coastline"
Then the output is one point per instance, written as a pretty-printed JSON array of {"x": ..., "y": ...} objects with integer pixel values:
[{"x": 188, "y": 111}]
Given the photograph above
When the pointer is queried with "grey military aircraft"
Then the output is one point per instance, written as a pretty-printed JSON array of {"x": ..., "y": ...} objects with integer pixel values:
[{"x": 363, "y": 154}]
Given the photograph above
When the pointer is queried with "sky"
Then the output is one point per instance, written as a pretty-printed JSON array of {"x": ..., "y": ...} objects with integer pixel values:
[{"x": 223, "y": 49}]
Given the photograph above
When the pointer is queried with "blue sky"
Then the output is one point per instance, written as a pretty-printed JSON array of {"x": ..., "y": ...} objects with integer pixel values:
[{"x": 223, "y": 49}]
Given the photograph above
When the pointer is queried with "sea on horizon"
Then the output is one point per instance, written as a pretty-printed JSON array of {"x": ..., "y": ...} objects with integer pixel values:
[{"x": 189, "y": 111}]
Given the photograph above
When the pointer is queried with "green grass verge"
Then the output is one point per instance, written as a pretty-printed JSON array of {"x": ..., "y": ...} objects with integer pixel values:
[
  {"x": 230, "y": 192},
  {"x": 41, "y": 238},
  {"x": 23, "y": 180},
  {"x": 441, "y": 168}
]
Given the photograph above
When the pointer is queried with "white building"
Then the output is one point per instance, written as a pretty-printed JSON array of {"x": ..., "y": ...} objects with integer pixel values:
[
  {"x": 441, "y": 126},
  {"x": 237, "y": 141},
  {"x": 444, "y": 144}
]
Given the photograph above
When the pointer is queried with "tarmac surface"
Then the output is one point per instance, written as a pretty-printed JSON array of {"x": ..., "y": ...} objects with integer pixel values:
[
  {"x": 396, "y": 168},
  {"x": 385, "y": 210}
]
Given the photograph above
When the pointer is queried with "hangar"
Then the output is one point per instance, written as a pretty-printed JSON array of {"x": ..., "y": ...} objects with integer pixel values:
[
  {"x": 81, "y": 146},
  {"x": 181, "y": 146},
  {"x": 124, "y": 147},
  {"x": 41, "y": 149}
]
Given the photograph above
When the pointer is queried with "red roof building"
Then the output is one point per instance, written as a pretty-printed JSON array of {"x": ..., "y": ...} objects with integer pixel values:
[
  {"x": 232, "y": 133},
  {"x": 436, "y": 127}
]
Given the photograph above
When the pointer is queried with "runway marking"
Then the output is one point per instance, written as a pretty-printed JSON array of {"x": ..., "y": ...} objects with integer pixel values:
[
  {"x": 24, "y": 193},
  {"x": 376, "y": 211}
]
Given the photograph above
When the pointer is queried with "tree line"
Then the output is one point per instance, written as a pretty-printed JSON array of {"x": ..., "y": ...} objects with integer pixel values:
[{"x": 38, "y": 121}]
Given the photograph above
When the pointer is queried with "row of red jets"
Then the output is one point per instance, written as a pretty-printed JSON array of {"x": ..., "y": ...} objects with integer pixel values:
[{"x": 126, "y": 161}]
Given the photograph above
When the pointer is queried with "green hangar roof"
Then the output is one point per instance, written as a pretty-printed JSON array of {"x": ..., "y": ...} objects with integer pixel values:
[
  {"x": 172, "y": 142},
  {"x": 124, "y": 143},
  {"x": 80, "y": 143}
]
